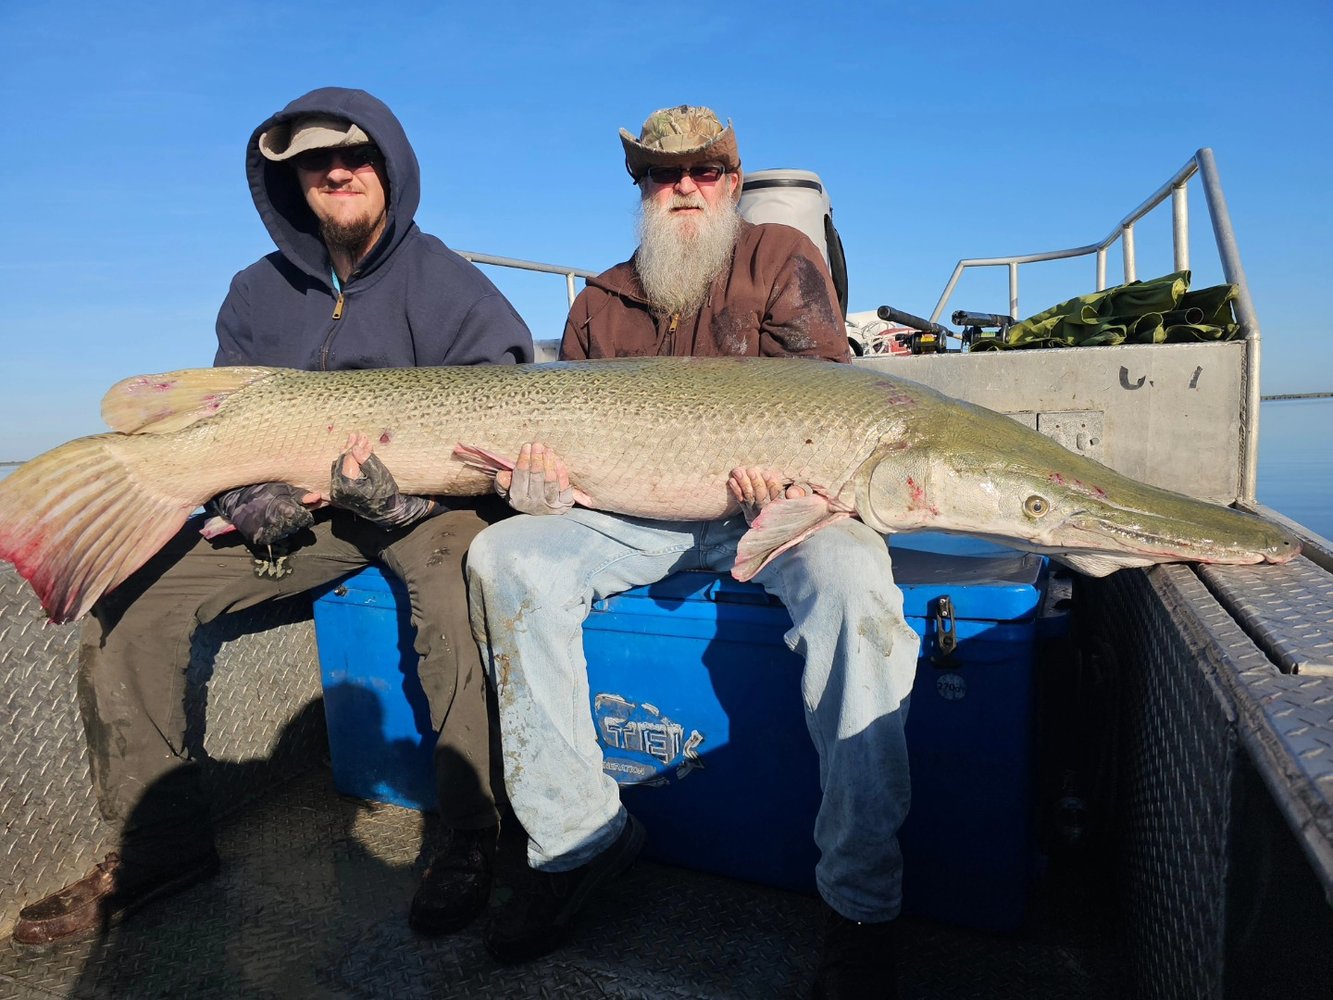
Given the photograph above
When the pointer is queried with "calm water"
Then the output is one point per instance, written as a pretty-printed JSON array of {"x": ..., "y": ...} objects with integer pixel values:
[{"x": 1295, "y": 460}]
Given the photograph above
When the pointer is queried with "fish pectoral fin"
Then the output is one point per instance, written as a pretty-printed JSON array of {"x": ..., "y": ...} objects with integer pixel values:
[
  {"x": 216, "y": 526},
  {"x": 160, "y": 404},
  {"x": 781, "y": 525},
  {"x": 1100, "y": 563},
  {"x": 481, "y": 459}
]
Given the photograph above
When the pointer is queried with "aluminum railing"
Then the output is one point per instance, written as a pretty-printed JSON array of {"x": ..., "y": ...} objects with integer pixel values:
[
  {"x": 569, "y": 273},
  {"x": 1200, "y": 163}
]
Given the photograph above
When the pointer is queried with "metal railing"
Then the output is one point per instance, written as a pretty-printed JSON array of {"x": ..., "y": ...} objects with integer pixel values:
[
  {"x": 1200, "y": 163},
  {"x": 569, "y": 273}
]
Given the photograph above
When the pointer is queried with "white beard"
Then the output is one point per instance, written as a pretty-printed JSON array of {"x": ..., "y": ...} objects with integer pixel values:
[{"x": 680, "y": 256}]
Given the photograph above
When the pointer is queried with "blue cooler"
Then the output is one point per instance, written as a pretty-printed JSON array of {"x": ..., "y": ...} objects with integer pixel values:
[
  {"x": 696, "y": 699},
  {"x": 381, "y": 744},
  {"x": 697, "y": 703}
]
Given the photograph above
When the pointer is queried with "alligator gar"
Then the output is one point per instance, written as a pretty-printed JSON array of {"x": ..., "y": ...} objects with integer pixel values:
[{"x": 651, "y": 437}]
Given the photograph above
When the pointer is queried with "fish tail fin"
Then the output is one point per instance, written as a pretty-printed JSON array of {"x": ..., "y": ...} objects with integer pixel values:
[
  {"x": 159, "y": 404},
  {"x": 77, "y": 520}
]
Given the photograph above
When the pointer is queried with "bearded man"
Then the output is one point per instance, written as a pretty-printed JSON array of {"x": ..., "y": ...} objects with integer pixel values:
[{"x": 702, "y": 282}]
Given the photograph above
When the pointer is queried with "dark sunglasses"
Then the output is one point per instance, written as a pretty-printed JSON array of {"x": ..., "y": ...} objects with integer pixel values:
[
  {"x": 703, "y": 173},
  {"x": 352, "y": 157}
]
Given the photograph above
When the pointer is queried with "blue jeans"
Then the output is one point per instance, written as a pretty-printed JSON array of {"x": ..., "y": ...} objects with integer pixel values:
[{"x": 531, "y": 582}]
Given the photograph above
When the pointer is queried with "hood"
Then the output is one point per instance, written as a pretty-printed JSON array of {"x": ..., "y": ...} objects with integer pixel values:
[{"x": 282, "y": 206}]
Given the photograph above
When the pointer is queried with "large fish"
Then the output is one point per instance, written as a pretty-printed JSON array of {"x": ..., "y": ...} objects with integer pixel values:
[{"x": 653, "y": 437}]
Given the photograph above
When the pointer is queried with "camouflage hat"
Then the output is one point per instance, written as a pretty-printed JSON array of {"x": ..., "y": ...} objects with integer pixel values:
[
  {"x": 307, "y": 132},
  {"x": 683, "y": 134}
]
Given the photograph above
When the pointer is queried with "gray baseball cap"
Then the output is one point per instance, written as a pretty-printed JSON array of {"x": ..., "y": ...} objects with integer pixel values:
[{"x": 307, "y": 132}]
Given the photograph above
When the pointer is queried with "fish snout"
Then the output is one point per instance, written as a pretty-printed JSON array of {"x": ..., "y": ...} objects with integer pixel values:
[{"x": 1284, "y": 550}]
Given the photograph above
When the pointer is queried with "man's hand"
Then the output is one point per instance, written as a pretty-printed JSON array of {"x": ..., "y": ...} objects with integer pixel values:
[
  {"x": 539, "y": 483},
  {"x": 755, "y": 488},
  {"x": 360, "y": 482},
  {"x": 266, "y": 512}
]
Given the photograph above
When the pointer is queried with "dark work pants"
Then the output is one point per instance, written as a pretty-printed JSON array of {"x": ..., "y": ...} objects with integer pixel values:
[{"x": 135, "y": 651}]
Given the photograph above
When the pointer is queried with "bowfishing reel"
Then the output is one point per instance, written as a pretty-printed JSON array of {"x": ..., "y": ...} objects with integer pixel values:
[
  {"x": 981, "y": 327},
  {"x": 924, "y": 337},
  {"x": 927, "y": 337}
]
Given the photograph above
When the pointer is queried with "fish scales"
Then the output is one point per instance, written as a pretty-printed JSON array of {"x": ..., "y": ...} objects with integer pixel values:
[
  {"x": 653, "y": 437},
  {"x": 638, "y": 437}
]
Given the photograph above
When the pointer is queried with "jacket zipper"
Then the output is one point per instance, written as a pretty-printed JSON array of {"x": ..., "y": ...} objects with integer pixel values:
[
  {"x": 669, "y": 340},
  {"x": 337, "y": 315}
]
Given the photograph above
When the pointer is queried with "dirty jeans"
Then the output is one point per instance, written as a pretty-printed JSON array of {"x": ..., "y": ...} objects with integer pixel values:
[
  {"x": 135, "y": 652},
  {"x": 531, "y": 583}
]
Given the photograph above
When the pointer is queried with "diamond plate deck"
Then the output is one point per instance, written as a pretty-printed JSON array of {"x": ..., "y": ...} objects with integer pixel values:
[
  {"x": 1202, "y": 687},
  {"x": 312, "y": 900},
  {"x": 1178, "y": 745},
  {"x": 267, "y": 711},
  {"x": 1287, "y": 716},
  {"x": 1287, "y": 609}
]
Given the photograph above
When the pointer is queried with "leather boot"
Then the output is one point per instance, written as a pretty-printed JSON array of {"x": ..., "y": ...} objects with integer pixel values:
[
  {"x": 111, "y": 891},
  {"x": 457, "y": 885}
]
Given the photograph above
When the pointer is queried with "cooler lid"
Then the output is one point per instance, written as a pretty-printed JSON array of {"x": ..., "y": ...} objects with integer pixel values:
[{"x": 986, "y": 581}]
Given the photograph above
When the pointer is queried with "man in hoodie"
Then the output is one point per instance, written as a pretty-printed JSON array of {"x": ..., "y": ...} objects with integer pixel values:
[
  {"x": 354, "y": 283},
  {"x": 702, "y": 282}
]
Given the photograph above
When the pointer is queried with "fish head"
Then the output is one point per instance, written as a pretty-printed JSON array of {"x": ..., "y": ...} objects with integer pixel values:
[{"x": 995, "y": 478}]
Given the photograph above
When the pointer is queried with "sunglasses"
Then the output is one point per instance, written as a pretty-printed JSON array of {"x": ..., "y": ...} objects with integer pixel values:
[
  {"x": 352, "y": 157},
  {"x": 704, "y": 173}
]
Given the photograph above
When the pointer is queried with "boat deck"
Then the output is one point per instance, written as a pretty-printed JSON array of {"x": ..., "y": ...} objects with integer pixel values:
[
  {"x": 1199, "y": 719},
  {"x": 312, "y": 902}
]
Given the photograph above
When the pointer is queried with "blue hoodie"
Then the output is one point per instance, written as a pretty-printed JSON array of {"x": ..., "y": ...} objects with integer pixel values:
[{"x": 412, "y": 302}]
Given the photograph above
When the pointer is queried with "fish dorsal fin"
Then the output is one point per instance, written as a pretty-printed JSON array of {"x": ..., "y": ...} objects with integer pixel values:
[
  {"x": 780, "y": 526},
  {"x": 159, "y": 404}
]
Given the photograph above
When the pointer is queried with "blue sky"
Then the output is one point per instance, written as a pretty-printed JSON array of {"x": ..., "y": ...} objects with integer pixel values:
[{"x": 942, "y": 130}]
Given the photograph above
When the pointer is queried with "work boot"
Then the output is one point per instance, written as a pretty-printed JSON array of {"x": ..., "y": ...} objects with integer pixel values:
[
  {"x": 857, "y": 959},
  {"x": 537, "y": 918},
  {"x": 457, "y": 884},
  {"x": 114, "y": 889}
]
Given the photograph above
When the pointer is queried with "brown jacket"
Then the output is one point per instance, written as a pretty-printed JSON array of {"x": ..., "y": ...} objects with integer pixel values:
[{"x": 777, "y": 300}]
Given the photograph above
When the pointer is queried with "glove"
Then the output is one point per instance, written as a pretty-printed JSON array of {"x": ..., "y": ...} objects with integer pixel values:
[
  {"x": 265, "y": 512},
  {"x": 374, "y": 495},
  {"x": 539, "y": 483}
]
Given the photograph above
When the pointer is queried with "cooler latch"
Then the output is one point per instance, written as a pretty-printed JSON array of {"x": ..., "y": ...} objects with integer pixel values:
[{"x": 946, "y": 634}]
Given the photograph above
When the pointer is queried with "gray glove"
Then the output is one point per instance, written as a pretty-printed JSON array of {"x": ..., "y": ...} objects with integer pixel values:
[
  {"x": 374, "y": 495},
  {"x": 544, "y": 489},
  {"x": 263, "y": 513}
]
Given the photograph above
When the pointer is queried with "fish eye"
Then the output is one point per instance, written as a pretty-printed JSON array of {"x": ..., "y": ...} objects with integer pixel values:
[{"x": 1036, "y": 506}]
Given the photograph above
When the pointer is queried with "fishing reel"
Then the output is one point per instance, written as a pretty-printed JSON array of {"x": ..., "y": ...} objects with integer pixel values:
[
  {"x": 981, "y": 328},
  {"x": 925, "y": 337}
]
